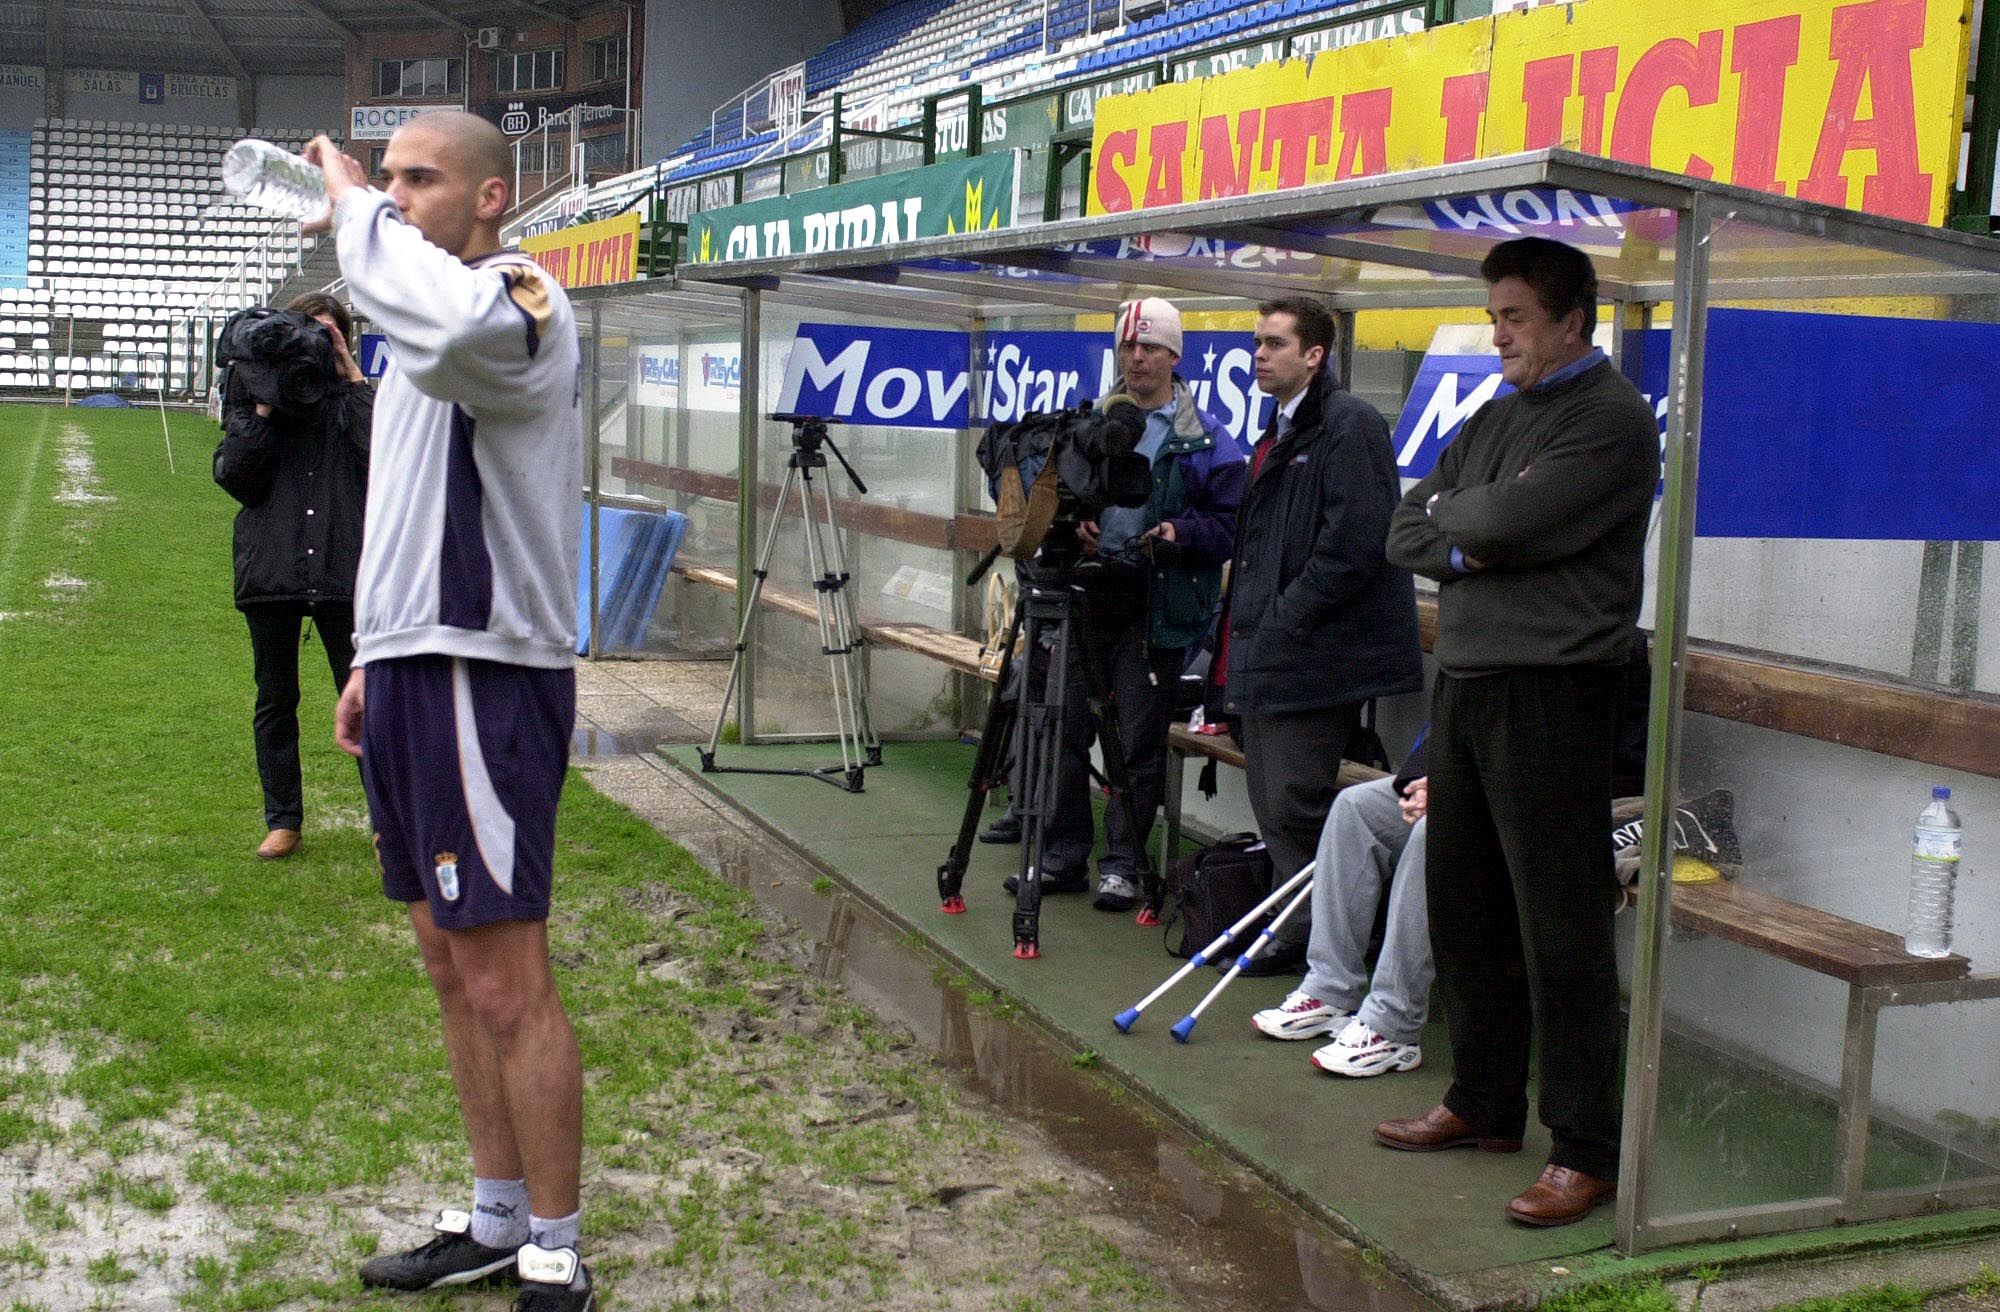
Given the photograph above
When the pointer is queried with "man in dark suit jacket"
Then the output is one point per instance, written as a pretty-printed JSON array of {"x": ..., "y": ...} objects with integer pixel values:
[{"x": 1318, "y": 621}]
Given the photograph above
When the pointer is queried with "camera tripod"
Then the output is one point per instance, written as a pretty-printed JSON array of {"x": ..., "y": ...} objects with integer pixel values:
[
  {"x": 1055, "y": 610},
  {"x": 839, "y": 629}
]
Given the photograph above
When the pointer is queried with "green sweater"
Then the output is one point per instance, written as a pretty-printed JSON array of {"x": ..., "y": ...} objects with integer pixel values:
[{"x": 1549, "y": 492}]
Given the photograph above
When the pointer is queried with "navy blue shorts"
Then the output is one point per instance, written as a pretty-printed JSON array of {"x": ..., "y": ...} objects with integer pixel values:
[{"x": 463, "y": 762}]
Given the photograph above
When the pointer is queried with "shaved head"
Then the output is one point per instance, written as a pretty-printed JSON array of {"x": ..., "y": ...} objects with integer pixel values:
[
  {"x": 452, "y": 175},
  {"x": 472, "y": 142}
]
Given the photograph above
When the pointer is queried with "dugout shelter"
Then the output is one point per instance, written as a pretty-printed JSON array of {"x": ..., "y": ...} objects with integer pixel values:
[{"x": 1821, "y": 383}]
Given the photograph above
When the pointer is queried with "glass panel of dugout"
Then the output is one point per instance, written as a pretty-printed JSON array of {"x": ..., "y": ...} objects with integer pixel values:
[{"x": 1814, "y": 597}]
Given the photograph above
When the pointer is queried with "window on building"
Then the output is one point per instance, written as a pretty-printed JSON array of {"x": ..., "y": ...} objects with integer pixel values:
[
  {"x": 528, "y": 70},
  {"x": 605, "y": 152},
  {"x": 607, "y": 59},
  {"x": 375, "y": 154},
  {"x": 414, "y": 79}
]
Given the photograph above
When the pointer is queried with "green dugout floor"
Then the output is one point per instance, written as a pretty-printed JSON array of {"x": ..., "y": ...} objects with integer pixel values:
[{"x": 1438, "y": 1217}]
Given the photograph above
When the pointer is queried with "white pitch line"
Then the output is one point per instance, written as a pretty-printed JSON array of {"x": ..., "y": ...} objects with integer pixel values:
[{"x": 17, "y": 513}]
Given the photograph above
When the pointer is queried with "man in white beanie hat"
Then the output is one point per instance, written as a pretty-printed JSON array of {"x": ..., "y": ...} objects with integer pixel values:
[
  {"x": 1155, "y": 573},
  {"x": 1150, "y": 321}
]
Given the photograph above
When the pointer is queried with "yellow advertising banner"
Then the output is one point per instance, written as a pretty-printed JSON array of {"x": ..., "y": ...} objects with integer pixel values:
[
  {"x": 590, "y": 254},
  {"x": 1850, "y": 104}
]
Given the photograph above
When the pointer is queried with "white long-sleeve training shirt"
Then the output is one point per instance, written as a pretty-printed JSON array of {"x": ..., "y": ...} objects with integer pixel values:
[{"x": 476, "y": 461}]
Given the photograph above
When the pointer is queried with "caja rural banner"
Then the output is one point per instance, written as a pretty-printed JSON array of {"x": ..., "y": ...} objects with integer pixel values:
[
  {"x": 966, "y": 195},
  {"x": 590, "y": 254},
  {"x": 1856, "y": 104}
]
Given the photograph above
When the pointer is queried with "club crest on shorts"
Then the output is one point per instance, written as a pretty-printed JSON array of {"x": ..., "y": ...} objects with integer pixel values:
[{"x": 447, "y": 876}]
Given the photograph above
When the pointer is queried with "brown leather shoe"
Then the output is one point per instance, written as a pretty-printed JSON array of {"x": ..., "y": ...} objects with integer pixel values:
[
  {"x": 1560, "y": 1197},
  {"x": 1437, "y": 1129},
  {"x": 277, "y": 844}
]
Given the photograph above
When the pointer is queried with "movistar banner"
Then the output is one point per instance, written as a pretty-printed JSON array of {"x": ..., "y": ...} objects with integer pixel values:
[
  {"x": 1837, "y": 426},
  {"x": 1814, "y": 425},
  {"x": 922, "y": 378},
  {"x": 965, "y": 195},
  {"x": 1845, "y": 426}
]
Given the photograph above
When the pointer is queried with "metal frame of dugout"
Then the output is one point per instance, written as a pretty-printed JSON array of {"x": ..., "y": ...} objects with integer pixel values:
[{"x": 1693, "y": 252}]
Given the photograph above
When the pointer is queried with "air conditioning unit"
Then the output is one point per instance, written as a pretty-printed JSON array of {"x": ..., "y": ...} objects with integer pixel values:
[{"x": 491, "y": 38}]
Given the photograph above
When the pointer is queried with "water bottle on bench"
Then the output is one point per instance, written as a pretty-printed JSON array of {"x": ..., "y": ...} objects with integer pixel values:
[{"x": 1933, "y": 877}]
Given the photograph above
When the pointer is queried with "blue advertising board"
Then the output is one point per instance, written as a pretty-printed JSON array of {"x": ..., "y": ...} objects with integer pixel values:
[
  {"x": 920, "y": 378},
  {"x": 1832, "y": 426},
  {"x": 1449, "y": 388},
  {"x": 1840, "y": 426},
  {"x": 374, "y": 355},
  {"x": 1813, "y": 426}
]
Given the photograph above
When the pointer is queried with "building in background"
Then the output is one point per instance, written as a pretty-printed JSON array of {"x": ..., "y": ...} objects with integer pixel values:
[{"x": 554, "y": 88}]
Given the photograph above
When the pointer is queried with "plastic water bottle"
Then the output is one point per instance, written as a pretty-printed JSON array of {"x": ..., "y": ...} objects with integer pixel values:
[
  {"x": 1933, "y": 874},
  {"x": 261, "y": 174}
]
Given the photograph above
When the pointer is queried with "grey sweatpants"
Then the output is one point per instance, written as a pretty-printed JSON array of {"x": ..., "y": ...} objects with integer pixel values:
[{"x": 1365, "y": 846}]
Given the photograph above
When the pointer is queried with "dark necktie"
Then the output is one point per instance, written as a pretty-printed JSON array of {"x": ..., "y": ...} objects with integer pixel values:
[{"x": 1264, "y": 444}]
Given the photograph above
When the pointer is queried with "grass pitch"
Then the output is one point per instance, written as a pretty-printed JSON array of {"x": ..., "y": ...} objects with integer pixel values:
[{"x": 220, "y": 1079}]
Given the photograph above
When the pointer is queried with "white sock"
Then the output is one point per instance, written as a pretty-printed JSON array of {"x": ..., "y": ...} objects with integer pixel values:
[
  {"x": 499, "y": 1212},
  {"x": 562, "y": 1232}
]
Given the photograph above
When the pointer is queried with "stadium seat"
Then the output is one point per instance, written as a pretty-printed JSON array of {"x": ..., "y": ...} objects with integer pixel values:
[{"x": 131, "y": 236}]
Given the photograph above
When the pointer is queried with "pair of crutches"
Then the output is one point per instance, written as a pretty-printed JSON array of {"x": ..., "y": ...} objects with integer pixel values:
[{"x": 1298, "y": 888}]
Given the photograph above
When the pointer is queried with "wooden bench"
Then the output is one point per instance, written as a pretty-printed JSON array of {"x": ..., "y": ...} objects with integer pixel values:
[
  {"x": 1855, "y": 708},
  {"x": 1872, "y": 962},
  {"x": 954, "y": 650},
  {"x": 1183, "y": 742}
]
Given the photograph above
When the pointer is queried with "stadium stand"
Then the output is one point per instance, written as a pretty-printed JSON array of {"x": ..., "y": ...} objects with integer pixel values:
[
  {"x": 920, "y": 48},
  {"x": 940, "y": 54},
  {"x": 127, "y": 238},
  {"x": 906, "y": 52},
  {"x": 1070, "y": 19},
  {"x": 1196, "y": 24},
  {"x": 873, "y": 37}
]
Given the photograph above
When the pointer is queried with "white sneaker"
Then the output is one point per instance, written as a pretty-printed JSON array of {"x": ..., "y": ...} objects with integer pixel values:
[
  {"x": 1360, "y": 1052},
  {"x": 1115, "y": 893},
  {"x": 1300, "y": 1016}
]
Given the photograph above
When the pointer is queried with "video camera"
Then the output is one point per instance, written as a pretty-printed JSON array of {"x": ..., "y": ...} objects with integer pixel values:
[
  {"x": 1063, "y": 467},
  {"x": 283, "y": 358}
]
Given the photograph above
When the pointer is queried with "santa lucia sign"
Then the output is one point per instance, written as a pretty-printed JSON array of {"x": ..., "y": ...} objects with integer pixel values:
[{"x": 1851, "y": 104}]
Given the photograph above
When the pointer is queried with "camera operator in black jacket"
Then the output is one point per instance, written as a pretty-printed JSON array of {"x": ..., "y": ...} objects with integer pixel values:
[{"x": 302, "y": 476}]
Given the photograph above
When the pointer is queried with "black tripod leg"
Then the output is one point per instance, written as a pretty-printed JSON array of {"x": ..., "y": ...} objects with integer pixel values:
[
  {"x": 1106, "y": 715},
  {"x": 1000, "y": 718},
  {"x": 1043, "y": 709},
  {"x": 1042, "y": 704}
]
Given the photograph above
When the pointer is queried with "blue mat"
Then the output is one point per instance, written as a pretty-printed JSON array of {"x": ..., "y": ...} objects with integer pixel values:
[{"x": 639, "y": 547}]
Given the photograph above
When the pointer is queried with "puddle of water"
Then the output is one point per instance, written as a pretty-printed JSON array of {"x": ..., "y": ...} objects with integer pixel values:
[
  {"x": 590, "y": 741},
  {"x": 1236, "y": 1244}
]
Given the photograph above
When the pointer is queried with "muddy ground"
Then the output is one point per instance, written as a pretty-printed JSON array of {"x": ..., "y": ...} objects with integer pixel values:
[{"x": 1002, "y": 1218}]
